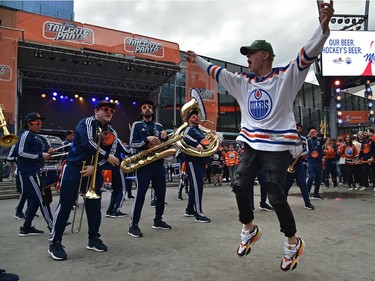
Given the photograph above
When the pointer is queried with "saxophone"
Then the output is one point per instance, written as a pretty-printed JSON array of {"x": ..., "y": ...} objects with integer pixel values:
[
  {"x": 145, "y": 157},
  {"x": 165, "y": 149}
]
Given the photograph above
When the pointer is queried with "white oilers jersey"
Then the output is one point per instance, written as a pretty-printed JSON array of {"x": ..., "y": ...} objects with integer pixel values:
[{"x": 266, "y": 103}]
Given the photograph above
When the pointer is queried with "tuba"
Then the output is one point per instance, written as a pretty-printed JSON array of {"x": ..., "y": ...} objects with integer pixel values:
[
  {"x": 196, "y": 104},
  {"x": 6, "y": 139},
  {"x": 168, "y": 148}
]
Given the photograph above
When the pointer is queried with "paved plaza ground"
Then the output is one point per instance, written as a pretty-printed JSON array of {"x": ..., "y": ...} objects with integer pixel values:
[{"x": 339, "y": 236}]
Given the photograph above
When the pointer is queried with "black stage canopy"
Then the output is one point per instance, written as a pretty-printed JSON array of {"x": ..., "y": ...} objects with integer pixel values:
[{"x": 85, "y": 71}]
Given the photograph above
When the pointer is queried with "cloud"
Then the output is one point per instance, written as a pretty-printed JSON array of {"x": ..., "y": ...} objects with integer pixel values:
[{"x": 217, "y": 29}]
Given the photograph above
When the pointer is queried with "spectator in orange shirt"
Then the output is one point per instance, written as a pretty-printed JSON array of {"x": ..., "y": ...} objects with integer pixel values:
[
  {"x": 349, "y": 152},
  {"x": 232, "y": 160},
  {"x": 329, "y": 152}
]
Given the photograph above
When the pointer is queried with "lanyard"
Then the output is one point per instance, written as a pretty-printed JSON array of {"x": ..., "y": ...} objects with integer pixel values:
[{"x": 150, "y": 131}]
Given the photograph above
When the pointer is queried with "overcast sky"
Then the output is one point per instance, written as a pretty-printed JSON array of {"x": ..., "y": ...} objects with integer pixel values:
[{"x": 218, "y": 29}]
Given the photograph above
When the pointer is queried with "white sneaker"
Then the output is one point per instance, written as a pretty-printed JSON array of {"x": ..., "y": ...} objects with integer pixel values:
[
  {"x": 247, "y": 240},
  {"x": 292, "y": 255},
  {"x": 363, "y": 188}
]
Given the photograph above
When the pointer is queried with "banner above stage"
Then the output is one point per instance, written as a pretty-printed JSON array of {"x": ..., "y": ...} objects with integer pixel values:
[{"x": 76, "y": 35}]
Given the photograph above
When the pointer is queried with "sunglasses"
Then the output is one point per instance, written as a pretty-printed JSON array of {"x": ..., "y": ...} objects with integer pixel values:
[
  {"x": 106, "y": 109},
  {"x": 146, "y": 106},
  {"x": 36, "y": 123}
]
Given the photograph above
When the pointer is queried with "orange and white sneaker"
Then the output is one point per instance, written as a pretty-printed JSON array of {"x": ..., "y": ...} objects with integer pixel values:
[
  {"x": 292, "y": 255},
  {"x": 247, "y": 240}
]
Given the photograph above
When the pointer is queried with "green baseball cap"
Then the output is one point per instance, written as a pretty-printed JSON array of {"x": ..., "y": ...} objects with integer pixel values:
[{"x": 257, "y": 45}]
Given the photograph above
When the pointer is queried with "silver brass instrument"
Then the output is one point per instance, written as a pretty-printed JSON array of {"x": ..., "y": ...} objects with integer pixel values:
[
  {"x": 6, "y": 139},
  {"x": 130, "y": 164}
]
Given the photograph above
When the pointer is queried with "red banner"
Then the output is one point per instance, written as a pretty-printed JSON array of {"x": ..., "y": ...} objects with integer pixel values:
[
  {"x": 58, "y": 32},
  {"x": 206, "y": 87},
  {"x": 8, "y": 72}
]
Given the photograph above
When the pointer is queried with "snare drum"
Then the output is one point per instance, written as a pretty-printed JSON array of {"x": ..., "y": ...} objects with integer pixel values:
[
  {"x": 48, "y": 178},
  {"x": 49, "y": 175}
]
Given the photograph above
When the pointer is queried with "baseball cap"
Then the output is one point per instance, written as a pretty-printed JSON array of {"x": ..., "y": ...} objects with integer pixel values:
[
  {"x": 257, "y": 45},
  {"x": 103, "y": 103},
  {"x": 191, "y": 113},
  {"x": 150, "y": 102},
  {"x": 68, "y": 132},
  {"x": 32, "y": 116}
]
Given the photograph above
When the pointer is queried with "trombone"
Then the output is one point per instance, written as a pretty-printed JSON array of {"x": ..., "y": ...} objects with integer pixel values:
[
  {"x": 90, "y": 187},
  {"x": 7, "y": 139},
  {"x": 78, "y": 229}
]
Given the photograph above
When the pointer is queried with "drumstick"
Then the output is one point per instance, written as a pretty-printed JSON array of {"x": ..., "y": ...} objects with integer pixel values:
[
  {"x": 60, "y": 154},
  {"x": 63, "y": 146}
]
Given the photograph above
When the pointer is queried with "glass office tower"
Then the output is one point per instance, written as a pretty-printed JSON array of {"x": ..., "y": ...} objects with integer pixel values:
[{"x": 57, "y": 9}]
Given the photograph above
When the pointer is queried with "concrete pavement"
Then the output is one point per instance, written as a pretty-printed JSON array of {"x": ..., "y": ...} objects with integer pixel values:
[{"x": 339, "y": 238}]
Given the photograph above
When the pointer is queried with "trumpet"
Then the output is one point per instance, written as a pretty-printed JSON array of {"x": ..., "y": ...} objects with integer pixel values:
[{"x": 7, "y": 139}]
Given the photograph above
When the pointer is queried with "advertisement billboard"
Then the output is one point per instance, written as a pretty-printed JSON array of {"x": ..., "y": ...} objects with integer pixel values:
[
  {"x": 354, "y": 118},
  {"x": 349, "y": 53},
  {"x": 76, "y": 35}
]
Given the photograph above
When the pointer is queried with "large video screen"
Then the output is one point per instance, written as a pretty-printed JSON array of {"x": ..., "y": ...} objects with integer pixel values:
[{"x": 349, "y": 53}]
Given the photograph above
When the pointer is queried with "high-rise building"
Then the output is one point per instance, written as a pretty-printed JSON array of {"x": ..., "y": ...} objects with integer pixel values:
[{"x": 57, "y": 9}]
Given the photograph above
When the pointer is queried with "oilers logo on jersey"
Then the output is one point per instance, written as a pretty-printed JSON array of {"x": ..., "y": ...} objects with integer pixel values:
[
  {"x": 349, "y": 151},
  {"x": 259, "y": 104},
  {"x": 216, "y": 157}
]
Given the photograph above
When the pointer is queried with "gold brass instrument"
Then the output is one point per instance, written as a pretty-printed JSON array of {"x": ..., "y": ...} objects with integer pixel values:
[
  {"x": 75, "y": 230},
  {"x": 7, "y": 139},
  {"x": 291, "y": 166},
  {"x": 195, "y": 104},
  {"x": 145, "y": 157},
  {"x": 323, "y": 128},
  {"x": 90, "y": 187},
  {"x": 91, "y": 193}
]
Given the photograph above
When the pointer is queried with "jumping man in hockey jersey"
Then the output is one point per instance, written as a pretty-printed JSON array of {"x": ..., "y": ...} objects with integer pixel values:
[{"x": 265, "y": 96}]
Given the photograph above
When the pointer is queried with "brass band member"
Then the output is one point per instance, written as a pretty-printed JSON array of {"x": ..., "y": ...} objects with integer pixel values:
[
  {"x": 193, "y": 136},
  {"x": 145, "y": 134},
  {"x": 84, "y": 147},
  {"x": 298, "y": 153},
  {"x": 31, "y": 158}
]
